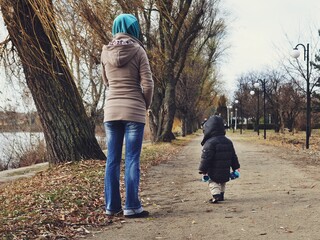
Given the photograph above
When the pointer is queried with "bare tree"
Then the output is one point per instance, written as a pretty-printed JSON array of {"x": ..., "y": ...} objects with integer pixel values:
[
  {"x": 169, "y": 29},
  {"x": 197, "y": 90},
  {"x": 192, "y": 100},
  {"x": 291, "y": 102},
  {"x": 68, "y": 133},
  {"x": 76, "y": 24},
  {"x": 249, "y": 103},
  {"x": 180, "y": 24},
  {"x": 284, "y": 100}
]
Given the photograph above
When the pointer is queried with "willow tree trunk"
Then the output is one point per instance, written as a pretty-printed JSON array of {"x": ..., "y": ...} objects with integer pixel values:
[{"x": 67, "y": 130}]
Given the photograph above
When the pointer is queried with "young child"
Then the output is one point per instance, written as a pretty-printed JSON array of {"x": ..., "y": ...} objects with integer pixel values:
[{"x": 218, "y": 155}]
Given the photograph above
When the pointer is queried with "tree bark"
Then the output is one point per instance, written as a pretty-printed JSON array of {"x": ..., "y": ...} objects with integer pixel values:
[
  {"x": 184, "y": 126},
  {"x": 67, "y": 130},
  {"x": 169, "y": 105}
]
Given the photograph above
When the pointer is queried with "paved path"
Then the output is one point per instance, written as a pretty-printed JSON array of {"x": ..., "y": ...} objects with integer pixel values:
[{"x": 273, "y": 199}]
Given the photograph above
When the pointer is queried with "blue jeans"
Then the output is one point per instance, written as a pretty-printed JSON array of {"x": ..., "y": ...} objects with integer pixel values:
[{"x": 116, "y": 132}]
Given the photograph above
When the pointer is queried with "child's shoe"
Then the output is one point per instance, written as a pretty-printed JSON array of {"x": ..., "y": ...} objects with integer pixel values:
[
  {"x": 215, "y": 198},
  {"x": 221, "y": 196}
]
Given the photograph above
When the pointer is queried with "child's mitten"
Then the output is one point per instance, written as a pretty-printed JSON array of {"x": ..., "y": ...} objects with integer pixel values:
[
  {"x": 235, "y": 174},
  {"x": 205, "y": 178}
]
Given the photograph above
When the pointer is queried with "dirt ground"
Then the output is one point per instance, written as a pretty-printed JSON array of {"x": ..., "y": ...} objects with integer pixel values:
[{"x": 276, "y": 197}]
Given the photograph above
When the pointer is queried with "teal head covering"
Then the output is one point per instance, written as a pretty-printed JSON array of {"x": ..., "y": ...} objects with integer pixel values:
[{"x": 126, "y": 23}]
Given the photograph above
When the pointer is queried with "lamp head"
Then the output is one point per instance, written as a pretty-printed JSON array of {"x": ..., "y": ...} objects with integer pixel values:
[
  {"x": 251, "y": 92},
  {"x": 256, "y": 85},
  {"x": 295, "y": 53}
]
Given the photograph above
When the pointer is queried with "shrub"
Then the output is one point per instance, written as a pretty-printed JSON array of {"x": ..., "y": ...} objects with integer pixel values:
[{"x": 33, "y": 155}]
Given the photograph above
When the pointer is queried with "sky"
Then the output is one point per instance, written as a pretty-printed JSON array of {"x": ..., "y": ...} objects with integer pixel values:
[{"x": 260, "y": 34}]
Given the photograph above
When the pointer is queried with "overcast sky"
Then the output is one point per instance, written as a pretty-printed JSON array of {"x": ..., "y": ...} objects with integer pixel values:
[{"x": 261, "y": 32}]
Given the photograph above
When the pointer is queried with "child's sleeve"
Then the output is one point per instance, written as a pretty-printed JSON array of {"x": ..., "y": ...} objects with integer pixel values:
[
  {"x": 206, "y": 156},
  {"x": 234, "y": 161}
]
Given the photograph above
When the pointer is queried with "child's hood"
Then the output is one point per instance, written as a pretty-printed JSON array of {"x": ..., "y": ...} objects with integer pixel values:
[{"x": 214, "y": 126}]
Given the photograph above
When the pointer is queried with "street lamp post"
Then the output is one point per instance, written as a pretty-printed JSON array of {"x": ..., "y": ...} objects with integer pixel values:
[
  {"x": 231, "y": 118},
  {"x": 241, "y": 117},
  {"x": 228, "y": 115},
  {"x": 296, "y": 54},
  {"x": 240, "y": 105},
  {"x": 236, "y": 116},
  {"x": 257, "y": 85},
  {"x": 257, "y": 116},
  {"x": 264, "y": 109}
]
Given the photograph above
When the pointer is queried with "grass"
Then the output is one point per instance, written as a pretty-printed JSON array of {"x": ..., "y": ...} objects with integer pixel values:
[
  {"x": 287, "y": 138},
  {"x": 292, "y": 142},
  {"x": 66, "y": 201}
]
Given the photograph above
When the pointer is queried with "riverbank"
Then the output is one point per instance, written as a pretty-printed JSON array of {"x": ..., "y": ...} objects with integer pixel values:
[{"x": 24, "y": 172}]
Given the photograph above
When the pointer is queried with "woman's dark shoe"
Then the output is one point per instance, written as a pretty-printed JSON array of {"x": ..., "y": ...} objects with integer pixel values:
[
  {"x": 138, "y": 215},
  {"x": 115, "y": 214}
]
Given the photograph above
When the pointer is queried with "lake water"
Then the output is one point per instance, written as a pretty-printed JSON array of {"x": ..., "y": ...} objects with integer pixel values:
[{"x": 14, "y": 143}]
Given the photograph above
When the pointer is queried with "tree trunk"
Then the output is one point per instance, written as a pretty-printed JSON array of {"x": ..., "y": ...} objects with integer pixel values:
[
  {"x": 184, "y": 125},
  {"x": 67, "y": 130},
  {"x": 169, "y": 106},
  {"x": 190, "y": 125},
  {"x": 290, "y": 124},
  {"x": 156, "y": 113},
  {"x": 276, "y": 120},
  {"x": 281, "y": 116}
]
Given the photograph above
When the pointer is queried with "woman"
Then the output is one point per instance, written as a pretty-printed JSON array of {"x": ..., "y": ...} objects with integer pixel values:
[{"x": 127, "y": 75}]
